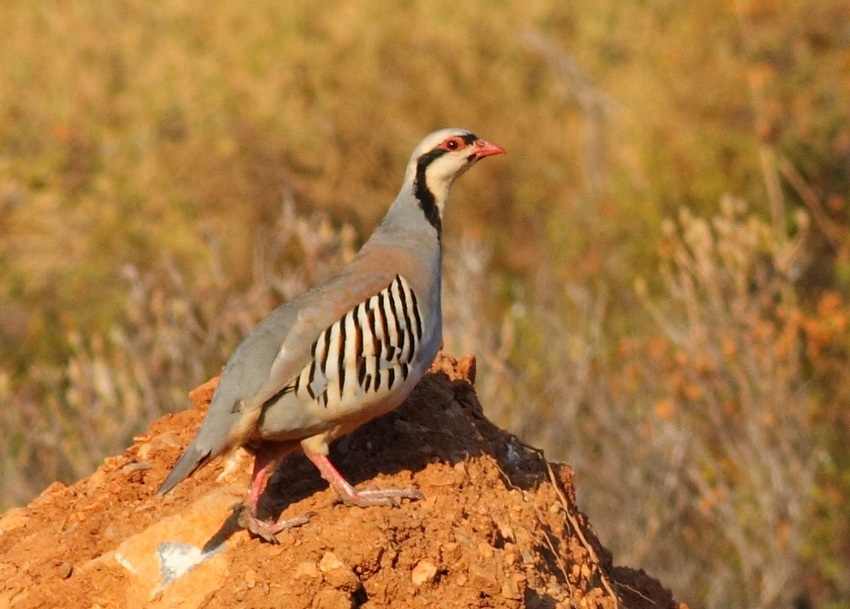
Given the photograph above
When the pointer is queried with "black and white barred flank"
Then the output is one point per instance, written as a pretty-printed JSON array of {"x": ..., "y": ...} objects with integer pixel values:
[{"x": 371, "y": 348}]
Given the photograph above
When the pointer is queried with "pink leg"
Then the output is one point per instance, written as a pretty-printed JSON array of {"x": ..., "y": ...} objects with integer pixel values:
[
  {"x": 351, "y": 496},
  {"x": 265, "y": 462}
]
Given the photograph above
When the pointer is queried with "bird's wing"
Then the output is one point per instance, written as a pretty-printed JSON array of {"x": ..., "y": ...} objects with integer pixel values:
[
  {"x": 316, "y": 312},
  {"x": 266, "y": 362}
]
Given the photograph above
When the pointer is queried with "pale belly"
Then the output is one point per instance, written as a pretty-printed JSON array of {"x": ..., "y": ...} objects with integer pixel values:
[{"x": 299, "y": 415}]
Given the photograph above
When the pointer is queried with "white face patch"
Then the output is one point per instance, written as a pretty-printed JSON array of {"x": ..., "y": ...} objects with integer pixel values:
[{"x": 442, "y": 172}]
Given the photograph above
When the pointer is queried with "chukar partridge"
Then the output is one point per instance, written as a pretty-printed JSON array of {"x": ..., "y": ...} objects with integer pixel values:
[{"x": 345, "y": 351}]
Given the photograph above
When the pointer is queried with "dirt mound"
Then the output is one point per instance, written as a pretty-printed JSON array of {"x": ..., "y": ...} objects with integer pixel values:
[{"x": 498, "y": 526}]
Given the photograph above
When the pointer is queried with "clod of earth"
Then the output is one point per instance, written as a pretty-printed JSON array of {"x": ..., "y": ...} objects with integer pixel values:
[{"x": 498, "y": 526}]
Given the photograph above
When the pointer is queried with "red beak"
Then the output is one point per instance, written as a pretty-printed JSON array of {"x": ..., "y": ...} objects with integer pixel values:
[{"x": 482, "y": 148}]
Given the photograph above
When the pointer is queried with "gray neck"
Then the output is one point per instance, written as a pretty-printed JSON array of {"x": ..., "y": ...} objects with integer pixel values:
[
  {"x": 406, "y": 231},
  {"x": 410, "y": 217}
]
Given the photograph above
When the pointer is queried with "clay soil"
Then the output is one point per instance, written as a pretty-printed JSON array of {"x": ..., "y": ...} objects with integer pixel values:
[{"x": 498, "y": 526}]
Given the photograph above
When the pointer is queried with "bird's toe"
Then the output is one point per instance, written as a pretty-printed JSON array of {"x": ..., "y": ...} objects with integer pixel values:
[
  {"x": 373, "y": 496},
  {"x": 268, "y": 530}
]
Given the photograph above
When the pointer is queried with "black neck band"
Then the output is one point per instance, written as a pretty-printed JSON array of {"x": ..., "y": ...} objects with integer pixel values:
[{"x": 427, "y": 201}]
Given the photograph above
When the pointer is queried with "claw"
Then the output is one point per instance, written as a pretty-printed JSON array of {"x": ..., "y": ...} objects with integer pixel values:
[{"x": 265, "y": 529}]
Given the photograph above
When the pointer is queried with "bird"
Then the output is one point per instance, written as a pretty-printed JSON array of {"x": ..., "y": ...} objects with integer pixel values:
[{"x": 345, "y": 351}]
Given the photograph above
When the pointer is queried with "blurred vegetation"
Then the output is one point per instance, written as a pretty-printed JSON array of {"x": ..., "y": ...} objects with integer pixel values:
[{"x": 655, "y": 278}]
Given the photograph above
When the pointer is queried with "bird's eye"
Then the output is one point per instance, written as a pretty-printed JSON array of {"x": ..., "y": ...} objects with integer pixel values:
[{"x": 453, "y": 144}]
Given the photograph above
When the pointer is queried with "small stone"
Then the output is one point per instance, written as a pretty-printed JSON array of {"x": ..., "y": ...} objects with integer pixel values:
[
  {"x": 64, "y": 570},
  {"x": 330, "y": 562},
  {"x": 510, "y": 590},
  {"x": 485, "y": 580},
  {"x": 554, "y": 590},
  {"x": 135, "y": 466},
  {"x": 505, "y": 530},
  {"x": 54, "y": 488},
  {"x": 343, "y": 578},
  {"x": 338, "y": 574},
  {"x": 307, "y": 569},
  {"x": 485, "y": 549},
  {"x": 424, "y": 572},
  {"x": 332, "y": 599},
  {"x": 251, "y": 578}
]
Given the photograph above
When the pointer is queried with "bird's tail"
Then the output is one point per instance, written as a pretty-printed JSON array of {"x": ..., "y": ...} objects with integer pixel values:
[
  {"x": 190, "y": 461},
  {"x": 221, "y": 430}
]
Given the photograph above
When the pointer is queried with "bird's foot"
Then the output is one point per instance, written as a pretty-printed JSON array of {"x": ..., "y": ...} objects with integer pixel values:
[
  {"x": 374, "y": 496},
  {"x": 350, "y": 495},
  {"x": 267, "y": 530}
]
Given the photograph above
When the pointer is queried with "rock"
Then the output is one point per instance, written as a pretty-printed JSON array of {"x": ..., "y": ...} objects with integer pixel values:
[
  {"x": 423, "y": 572},
  {"x": 487, "y": 526}
]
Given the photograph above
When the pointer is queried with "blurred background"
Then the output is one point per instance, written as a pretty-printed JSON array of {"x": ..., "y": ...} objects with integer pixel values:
[{"x": 654, "y": 279}]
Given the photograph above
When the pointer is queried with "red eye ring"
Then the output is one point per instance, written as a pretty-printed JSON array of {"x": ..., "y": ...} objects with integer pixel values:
[{"x": 453, "y": 144}]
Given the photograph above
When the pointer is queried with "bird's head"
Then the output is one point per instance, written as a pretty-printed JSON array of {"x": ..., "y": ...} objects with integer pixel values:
[{"x": 438, "y": 161}]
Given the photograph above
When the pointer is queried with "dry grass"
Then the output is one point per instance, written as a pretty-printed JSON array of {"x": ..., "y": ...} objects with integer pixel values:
[
  {"x": 694, "y": 446},
  {"x": 69, "y": 417}
]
